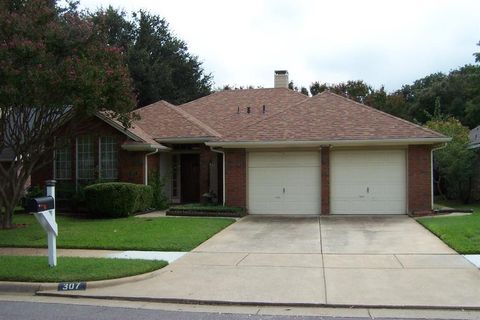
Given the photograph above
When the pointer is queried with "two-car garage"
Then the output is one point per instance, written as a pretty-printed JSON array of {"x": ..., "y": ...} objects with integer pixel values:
[{"x": 360, "y": 182}]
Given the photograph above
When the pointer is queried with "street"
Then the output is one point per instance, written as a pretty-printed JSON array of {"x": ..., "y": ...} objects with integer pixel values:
[{"x": 34, "y": 310}]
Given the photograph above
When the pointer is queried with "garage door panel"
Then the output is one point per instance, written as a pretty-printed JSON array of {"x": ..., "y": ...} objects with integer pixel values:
[
  {"x": 284, "y": 182},
  {"x": 368, "y": 182}
]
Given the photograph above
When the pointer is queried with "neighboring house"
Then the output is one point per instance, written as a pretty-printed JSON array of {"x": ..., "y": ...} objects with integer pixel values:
[
  {"x": 272, "y": 151},
  {"x": 475, "y": 144}
]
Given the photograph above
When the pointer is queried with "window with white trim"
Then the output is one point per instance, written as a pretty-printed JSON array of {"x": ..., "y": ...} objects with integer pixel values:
[
  {"x": 85, "y": 158},
  {"x": 108, "y": 158},
  {"x": 63, "y": 159}
]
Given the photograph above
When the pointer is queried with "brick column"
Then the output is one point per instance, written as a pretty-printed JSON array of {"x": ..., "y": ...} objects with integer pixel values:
[
  {"x": 206, "y": 156},
  {"x": 419, "y": 179},
  {"x": 235, "y": 178},
  {"x": 325, "y": 180}
]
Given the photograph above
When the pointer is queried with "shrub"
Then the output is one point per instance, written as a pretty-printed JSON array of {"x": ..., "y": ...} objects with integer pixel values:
[
  {"x": 160, "y": 200},
  {"x": 117, "y": 199}
]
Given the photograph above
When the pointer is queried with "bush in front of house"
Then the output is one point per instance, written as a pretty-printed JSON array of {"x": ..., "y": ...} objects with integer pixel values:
[{"x": 117, "y": 199}]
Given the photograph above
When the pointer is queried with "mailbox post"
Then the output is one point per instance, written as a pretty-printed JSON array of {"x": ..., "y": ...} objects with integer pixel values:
[
  {"x": 52, "y": 236},
  {"x": 44, "y": 210}
]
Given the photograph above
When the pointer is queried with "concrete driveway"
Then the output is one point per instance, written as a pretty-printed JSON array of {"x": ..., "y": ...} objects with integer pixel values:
[{"x": 337, "y": 260}]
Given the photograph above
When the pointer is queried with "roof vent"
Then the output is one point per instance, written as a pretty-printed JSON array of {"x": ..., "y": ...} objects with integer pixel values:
[
  {"x": 263, "y": 109},
  {"x": 248, "y": 109},
  {"x": 281, "y": 79}
]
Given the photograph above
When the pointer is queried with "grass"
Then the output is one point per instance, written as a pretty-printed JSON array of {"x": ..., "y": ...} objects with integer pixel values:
[
  {"x": 206, "y": 207},
  {"x": 155, "y": 234},
  {"x": 36, "y": 269},
  {"x": 461, "y": 233}
]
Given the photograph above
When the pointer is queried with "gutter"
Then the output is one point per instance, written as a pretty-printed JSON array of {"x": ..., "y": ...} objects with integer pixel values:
[
  {"x": 431, "y": 165},
  {"x": 145, "y": 176},
  {"x": 223, "y": 172},
  {"x": 316, "y": 143}
]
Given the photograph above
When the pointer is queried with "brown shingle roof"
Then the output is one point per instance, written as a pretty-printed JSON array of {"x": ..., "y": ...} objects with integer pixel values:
[
  {"x": 326, "y": 117},
  {"x": 219, "y": 111},
  {"x": 163, "y": 120}
]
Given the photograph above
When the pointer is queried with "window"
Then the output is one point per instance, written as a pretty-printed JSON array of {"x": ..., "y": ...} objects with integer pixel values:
[
  {"x": 108, "y": 158},
  {"x": 85, "y": 158},
  {"x": 63, "y": 159}
]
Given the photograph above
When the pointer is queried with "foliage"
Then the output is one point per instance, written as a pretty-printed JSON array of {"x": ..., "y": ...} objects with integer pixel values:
[
  {"x": 454, "y": 163},
  {"x": 132, "y": 233},
  {"x": 234, "y": 87},
  {"x": 461, "y": 233},
  {"x": 34, "y": 192},
  {"x": 457, "y": 94},
  {"x": 36, "y": 269},
  {"x": 54, "y": 63},
  {"x": 117, "y": 199},
  {"x": 159, "y": 63},
  {"x": 160, "y": 200},
  {"x": 302, "y": 90}
]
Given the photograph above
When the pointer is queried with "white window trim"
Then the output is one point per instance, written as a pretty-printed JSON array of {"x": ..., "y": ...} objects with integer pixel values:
[
  {"x": 100, "y": 158},
  {"x": 77, "y": 178},
  {"x": 55, "y": 177}
]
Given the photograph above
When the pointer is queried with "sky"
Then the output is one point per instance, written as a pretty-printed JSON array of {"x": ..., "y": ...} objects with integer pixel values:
[{"x": 388, "y": 43}]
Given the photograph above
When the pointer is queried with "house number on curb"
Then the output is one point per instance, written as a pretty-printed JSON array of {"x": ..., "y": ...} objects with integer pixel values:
[{"x": 70, "y": 286}]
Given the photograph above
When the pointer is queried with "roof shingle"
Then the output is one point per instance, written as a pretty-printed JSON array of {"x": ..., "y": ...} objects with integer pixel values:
[
  {"x": 163, "y": 120},
  {"x": 226, "y": 110},
  {"x": 326, "y": 117}
]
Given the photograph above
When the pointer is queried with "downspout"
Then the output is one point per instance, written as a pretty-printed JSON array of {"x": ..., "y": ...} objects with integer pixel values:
[
  {"x": 223, "y": 171},
  {"x": 145, "y": 176},
  {"x": 431, "y": 166}
]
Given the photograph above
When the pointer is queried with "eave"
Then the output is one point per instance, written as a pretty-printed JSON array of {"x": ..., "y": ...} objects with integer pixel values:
[{"x": 318, "y": 143}]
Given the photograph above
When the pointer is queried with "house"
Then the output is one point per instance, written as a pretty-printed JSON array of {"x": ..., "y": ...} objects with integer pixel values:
[
  {"x": 272, "y": 151},
  {"x": 475, "y": 145}
]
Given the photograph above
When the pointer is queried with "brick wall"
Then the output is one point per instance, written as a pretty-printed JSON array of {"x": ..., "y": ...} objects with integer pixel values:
[
  {"x": 235, "y": 178},
  {"x": 325, "y": 183},
  {"x": 419, "y": 179},
  {"x": 130, "y": 163},
  {"x": 130, "y": 166},
  {"x": 206, "y": 156}
]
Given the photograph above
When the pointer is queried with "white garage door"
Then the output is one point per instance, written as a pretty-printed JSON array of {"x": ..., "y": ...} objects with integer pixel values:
[
  {"x": 368, "y": 182},
  {"x": 284, "y": 182}
]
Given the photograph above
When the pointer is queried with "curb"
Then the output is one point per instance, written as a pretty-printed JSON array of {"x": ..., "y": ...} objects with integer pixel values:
[
  {"x": 34, "y": 287},
  {"x": 259, "y": 304}
]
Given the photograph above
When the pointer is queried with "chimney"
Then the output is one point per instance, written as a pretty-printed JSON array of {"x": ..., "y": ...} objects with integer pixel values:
[{"x": 281, "y": 79}]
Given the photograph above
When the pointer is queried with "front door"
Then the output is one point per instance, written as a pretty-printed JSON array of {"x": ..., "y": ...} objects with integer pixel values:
[{"x": 189, "y": 178}]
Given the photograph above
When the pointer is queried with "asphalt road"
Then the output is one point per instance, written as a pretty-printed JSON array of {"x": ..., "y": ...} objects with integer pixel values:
[{"x": 48, "y": 311}]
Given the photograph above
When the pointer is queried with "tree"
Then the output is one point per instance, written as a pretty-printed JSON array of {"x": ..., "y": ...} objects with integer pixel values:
[
  {"x": 54, "y": 65},
  {"x": 317, "y": 88},
  {"x": 454, "y": 163},
  {"x": 159, "y": 63},
  {"x": 302, "y": 90},
  {"x": 477, "y": 54}
]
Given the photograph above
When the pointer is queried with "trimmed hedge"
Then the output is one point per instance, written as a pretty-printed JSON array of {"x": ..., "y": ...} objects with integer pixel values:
[{"x": 118, "y": 199}]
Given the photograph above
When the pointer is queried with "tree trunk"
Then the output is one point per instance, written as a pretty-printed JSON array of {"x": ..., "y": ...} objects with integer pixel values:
[
  {"x": 7, "y": 219},
  {"x": 439, "y": 188}
]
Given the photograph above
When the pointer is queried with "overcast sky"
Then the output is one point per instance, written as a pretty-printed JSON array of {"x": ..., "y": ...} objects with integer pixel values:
[{"x": 382, "y": 42}]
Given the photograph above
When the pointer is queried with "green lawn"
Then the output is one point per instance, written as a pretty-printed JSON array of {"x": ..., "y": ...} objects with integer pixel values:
[
  {"x": 460, "y": 233},
  {"x": 36, "y": 269},
  {"x": 158, "y": 234}
]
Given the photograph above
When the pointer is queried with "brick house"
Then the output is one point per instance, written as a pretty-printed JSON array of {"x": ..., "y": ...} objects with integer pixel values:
[{"x": 272, "y": 151}]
